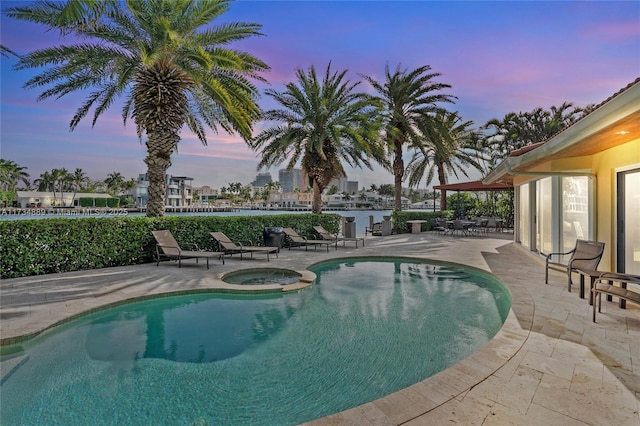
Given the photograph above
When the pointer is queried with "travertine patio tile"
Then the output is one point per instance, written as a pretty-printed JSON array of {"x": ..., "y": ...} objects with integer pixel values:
[
  {"x": 549, "y": 365},
  {"x": 540, "y": 343},
  {"x": 536, "y": 416},
  {"x": 555, "y": 394},
  {"x": 471, "y": 411},
  {"x": 517, "y": 393}
]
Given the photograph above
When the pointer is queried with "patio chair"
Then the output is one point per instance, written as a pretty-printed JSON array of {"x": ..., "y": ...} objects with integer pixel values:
[
  {"x": 458, "y": 227},
  {"x": 168, "y": 248},
  {"x": 230, "y": 248},
  {"x": 585, "y": 255},
  {"x": 297, "y": 240},
  {"x": 328, "y": 236},
  {"x": 604, "y": 284}
]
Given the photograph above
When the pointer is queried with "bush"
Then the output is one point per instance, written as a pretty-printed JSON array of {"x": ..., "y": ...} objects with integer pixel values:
[{"x": 45, "y": 246}]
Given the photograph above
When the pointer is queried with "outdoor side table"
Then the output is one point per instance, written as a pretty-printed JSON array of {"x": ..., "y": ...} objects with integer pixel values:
[
  {"x": 593, "y": 276},
  {"x": 416, "y": 225}
]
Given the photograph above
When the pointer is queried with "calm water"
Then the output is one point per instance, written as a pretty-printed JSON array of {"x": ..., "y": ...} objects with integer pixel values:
[
  {"x": 362, "y": 216},
  {"x": 368, "y": 327}
]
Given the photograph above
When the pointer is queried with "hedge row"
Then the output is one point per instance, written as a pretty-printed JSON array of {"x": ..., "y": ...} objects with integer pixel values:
[
  {"x": 45, "y": 246},
  {"x": 99, "y": 202}
]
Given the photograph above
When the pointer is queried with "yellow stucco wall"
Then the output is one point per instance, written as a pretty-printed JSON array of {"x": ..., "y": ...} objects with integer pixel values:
[{"x": 604, "y": 166}]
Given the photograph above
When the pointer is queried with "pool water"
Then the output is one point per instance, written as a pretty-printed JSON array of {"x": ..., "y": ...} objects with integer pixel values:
[
  {"x": 262, "y": 276},
  {"x": 367, "y": 328}
]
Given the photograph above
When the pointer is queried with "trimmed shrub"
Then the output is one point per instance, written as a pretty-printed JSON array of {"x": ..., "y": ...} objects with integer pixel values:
[{"x": 45, "y": 246}]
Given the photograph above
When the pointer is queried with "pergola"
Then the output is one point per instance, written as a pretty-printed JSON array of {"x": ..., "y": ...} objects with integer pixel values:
[{"x": 474, "y": 186}]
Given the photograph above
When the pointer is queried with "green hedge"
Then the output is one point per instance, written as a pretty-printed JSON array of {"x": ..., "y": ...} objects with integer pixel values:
[
  {"x": 400, "y": 218},
  {"x": 45, "y": 246},
  {"x": 99, "y": 202}
]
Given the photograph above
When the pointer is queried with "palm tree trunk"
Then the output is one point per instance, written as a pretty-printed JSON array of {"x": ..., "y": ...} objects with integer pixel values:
[
  {"x": 398, "y": 174},
  {"x": 442, "y": 178},
  {"x": 317, "y": 198},
  {"x": 160, "y": 146}
]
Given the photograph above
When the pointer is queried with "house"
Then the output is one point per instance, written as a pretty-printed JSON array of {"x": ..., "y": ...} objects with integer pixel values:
[
  {"x": 582, "y": 183},
  {"x": 178, "y": 193},
  {"x": 44, "y": 199}
]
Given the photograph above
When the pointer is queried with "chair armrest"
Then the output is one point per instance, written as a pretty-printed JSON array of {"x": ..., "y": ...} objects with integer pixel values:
[
  {"x": 171, "y": 247},
  {"x": 558, "y": 254},
  {"x": 618, "y": 276},
  {"x": 583, "y": 258}
]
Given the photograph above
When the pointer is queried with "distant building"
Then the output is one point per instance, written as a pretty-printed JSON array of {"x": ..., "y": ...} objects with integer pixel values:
[
  {"x": 262, "y": 179},
  {"x": 44, "y": 199},
  {"x": 205, "y": 194},
  {"x": 344, "y": 185},
  {"x": 178, "y": 192},
  {"x": 290, "y": 180}
]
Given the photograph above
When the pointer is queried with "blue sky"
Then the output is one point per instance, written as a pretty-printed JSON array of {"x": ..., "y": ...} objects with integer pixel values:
[{"x": 498, "y": 56}]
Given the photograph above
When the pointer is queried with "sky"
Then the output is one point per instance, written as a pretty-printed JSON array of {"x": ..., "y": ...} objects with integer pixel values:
[{"x": 498, "y": 56}]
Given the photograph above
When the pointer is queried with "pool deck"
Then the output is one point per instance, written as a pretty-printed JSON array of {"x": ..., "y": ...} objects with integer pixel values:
[{"x": 548, "y": 365}]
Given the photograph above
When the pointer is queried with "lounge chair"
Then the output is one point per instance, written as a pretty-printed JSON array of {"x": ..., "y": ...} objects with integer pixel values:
[
  {"x": 230, "y": 248},
  {"x": 168, "y": 248},
  {"x": 585, "y": 255},
  {"x": 297, "y": 240},
  {"x": 328, "y": 236},
  {"x": 604, "y": 284}
]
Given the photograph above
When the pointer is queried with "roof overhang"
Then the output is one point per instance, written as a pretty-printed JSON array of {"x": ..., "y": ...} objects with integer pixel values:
[{"x": 615, "y": 122}]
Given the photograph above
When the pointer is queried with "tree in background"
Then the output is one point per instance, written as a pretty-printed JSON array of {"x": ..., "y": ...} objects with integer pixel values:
[
  {"x": 11, "y": 175},
  {"x": 410, "y": 98},
  {"x": 451, "y": 148},
  {"x": 517, "y": 130},
  {"x": 321, "y": 124},
  {"x": 165, "y": 58}
]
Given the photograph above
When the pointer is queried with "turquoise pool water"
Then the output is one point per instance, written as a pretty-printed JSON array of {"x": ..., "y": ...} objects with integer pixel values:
[{"x": 367, "y": 328}]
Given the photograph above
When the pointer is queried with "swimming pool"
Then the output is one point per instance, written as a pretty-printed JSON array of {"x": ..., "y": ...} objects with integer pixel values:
[{"x": 368, "y": 327}]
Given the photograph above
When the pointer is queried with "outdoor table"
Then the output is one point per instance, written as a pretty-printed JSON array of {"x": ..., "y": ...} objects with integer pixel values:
[
  {"x": 593, "y": 276},
  {"x": 416, "y": 225}
]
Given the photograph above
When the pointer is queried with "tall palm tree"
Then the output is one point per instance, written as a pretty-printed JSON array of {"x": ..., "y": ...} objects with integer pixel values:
[
  {"x": 163, "y": 57},
  {"x": 451, "y": 147},
  {"x": 114, "y": 182},
  {"x": 408, "y": 97},
  {"x": 44, "y": 182},
  {"x": 78, "y": 180},
  {"x": 11, "y": 174},
  {"x": 320, "y": 124},
  {"x": 60, "y": 179}
]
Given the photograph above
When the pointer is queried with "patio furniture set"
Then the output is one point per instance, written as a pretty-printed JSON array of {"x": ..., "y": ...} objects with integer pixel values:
[
  {"x": 584, "y": 259},
  {"x": 467, "y": 227},
  {"x": 167, "y": 248}
]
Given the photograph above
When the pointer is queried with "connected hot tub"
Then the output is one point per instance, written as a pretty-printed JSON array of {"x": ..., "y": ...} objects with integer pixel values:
[{"x": 287, "y": 279}]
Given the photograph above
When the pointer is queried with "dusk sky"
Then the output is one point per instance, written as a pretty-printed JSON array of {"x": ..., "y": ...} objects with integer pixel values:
[{"x": 499, "y": 57}]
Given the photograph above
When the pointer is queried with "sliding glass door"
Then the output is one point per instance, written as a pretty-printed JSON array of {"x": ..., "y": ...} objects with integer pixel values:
[{"x": 628, "y": 222}]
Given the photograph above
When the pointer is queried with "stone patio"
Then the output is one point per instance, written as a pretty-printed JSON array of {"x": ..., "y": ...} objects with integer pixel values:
[{"x": 548, "y": 365}]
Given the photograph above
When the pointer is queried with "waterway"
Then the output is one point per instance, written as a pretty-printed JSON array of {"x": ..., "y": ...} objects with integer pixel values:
[{"x": 361, "y": 216}]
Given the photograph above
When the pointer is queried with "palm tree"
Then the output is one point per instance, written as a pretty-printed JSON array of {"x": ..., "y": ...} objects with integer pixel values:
[
  {"x": 517, "y": 130},
  {"x": 44, "y": 182},
  {"x": 167, "y": 61},
  {"x": 60, "y": 179},
  {"x": 11, "y": 174},
  {"x": 320, "y": 124},
  {"x": 78, "y": 179},
  {"x": 409, "y": 98},
  {"x": 451, "y": 147},
  {"x": 114, "y": 183}
]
